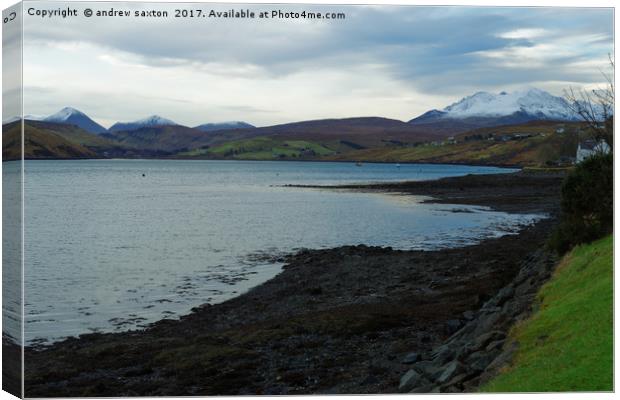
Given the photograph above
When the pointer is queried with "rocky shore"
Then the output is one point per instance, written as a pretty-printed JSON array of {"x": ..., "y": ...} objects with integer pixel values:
[
  {"x": 480, "y": 346},
  {"x": 353, "y": 319},
  {"x": 520, "y": 192}
]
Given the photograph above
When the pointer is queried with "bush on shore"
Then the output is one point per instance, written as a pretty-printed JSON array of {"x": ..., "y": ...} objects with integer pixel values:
[{"x": 587, "y": 204}]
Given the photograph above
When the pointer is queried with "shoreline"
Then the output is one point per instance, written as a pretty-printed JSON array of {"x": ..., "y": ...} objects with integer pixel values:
[
  {"x": 334, "y": 321},
  {"x": 472, "y": 164},
  {"x": 516, "y": 192}
]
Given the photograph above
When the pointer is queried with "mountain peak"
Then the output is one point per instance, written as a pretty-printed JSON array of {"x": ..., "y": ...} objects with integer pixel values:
[
  {"x": 71, "y": 109},
  {"x": 64, "y": 114},
  {"x": 531, "y": 101},
  {"x": 155, "y": 120},
  {"x": 73, "y": 116},
  {"x": 148, "y": 122}
]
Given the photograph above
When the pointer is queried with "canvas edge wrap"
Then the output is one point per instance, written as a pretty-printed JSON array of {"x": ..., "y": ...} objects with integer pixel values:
[{"x": 12, "y": 202}]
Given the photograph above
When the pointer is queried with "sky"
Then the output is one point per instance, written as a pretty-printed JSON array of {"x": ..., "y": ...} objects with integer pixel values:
[{"x": 390, "y": 61}]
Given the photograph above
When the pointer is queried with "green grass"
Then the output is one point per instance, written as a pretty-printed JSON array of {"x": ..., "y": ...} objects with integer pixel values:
[
  {"x": 263, "y": 148},
  {"x": 567, "y": 345}
]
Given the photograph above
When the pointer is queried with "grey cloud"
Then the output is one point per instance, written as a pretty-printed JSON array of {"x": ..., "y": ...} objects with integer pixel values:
[
  {"x": 365, "y": 30},
  {"x": 436, "y": 50},
  {"x": 247, "y": 109}
]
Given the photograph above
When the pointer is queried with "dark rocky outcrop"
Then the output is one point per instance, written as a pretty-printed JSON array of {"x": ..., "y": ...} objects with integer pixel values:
[{"x": 475, "y": 352}]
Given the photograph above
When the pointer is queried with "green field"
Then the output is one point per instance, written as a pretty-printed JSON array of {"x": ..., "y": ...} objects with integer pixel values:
[
  {"x": 567, "y": 345},
  {"x": 263, "y": 148}
]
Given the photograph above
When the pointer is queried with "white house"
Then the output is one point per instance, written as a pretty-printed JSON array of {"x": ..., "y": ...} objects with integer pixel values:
[{"x": 589, "y": 148}]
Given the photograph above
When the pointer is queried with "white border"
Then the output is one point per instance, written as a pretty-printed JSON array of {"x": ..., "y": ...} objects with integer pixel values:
[{"x": 519, "y": 3}]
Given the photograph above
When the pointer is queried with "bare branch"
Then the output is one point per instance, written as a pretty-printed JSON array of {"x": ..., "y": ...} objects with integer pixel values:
[{"x": 595, "y": 107}]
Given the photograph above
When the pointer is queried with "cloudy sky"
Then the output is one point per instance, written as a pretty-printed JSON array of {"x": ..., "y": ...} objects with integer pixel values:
[{"x": 390, "y": 61}]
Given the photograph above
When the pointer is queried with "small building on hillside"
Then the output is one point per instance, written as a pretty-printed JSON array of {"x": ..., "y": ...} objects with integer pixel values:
[{"x": 590, "y": 147}]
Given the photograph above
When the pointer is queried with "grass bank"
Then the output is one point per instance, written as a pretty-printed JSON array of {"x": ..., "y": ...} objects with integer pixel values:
[{"x": 567, "y": 344}]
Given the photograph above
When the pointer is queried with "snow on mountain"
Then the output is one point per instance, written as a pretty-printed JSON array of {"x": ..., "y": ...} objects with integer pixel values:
[
  {"x": 532, "y": 101},
  {"x": 69, "y": 115},
  {"x": 520, "y": 105},
  {"x": 64, "y": 114},
  {"x": 32, "y": 117},
  {"x": 153, "y": 120},
  {"x": 26, "y": 117},
  {"x": 218, "y": 126}
]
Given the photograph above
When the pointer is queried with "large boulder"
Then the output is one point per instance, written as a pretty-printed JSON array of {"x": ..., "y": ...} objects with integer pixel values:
[
  {"x": 451, "y": 370},
  {"x": 411, "y": 358},
  {"x": 411, "y": 380}
]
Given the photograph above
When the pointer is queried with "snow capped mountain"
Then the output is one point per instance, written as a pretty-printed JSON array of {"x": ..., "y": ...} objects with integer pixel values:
[
  {"x": 153, "y": 120},
  {"x": 218, "y": 126},
  {"x": 518, "y": 106},
  {"x": 69, "y": 115},
  {"x": 533, "y": 101}
]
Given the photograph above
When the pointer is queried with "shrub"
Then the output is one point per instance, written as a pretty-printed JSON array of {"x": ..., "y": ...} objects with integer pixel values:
[{"x": 587, "y": 204}]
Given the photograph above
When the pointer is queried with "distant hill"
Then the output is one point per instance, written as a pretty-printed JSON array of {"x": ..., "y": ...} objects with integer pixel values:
[
  {"x": 432, "y": 138},
  {"x": 363, "y": 131},
  {"x": 166, "y": 138},
  {"x": 536, "y": 143},
  {"x": 74, "y": 134},
  {"x": 54, "y": 140},
  {"x": 312, "y": 139},
  {"x": 39, "y": 144},
  {"x": 72, "y": 116},
  {"x": 219, "y": 126},
  {"x": 155, "y": 141},
  {"x": 335, "y": 134},
  {"x": 156, "y": 136},
  {"x": 148, "y": 122}
]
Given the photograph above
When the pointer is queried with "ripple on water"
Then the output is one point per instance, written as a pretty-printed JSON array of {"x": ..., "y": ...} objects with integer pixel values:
[{"x": 155, "y": 248}]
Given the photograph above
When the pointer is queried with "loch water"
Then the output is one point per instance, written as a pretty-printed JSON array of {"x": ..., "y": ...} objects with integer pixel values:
[{"x": 112, "y": 245}]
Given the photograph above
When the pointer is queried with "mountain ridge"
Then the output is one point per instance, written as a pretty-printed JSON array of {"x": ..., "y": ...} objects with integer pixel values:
[
  {"x": 148, "y": 122},
  {"x": 487, "y": 109},
  {"x": 218, "y": 126}
]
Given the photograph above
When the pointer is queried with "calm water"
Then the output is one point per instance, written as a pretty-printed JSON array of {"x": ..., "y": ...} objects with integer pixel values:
[{"x": 108, "y": 249}]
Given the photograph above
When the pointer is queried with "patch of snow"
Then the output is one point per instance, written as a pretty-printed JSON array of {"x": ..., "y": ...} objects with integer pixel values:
[
  {"x": 27, "y": 116},
  {"x": 64, "y": 114},
  {"x": 153, "y": 120}
]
